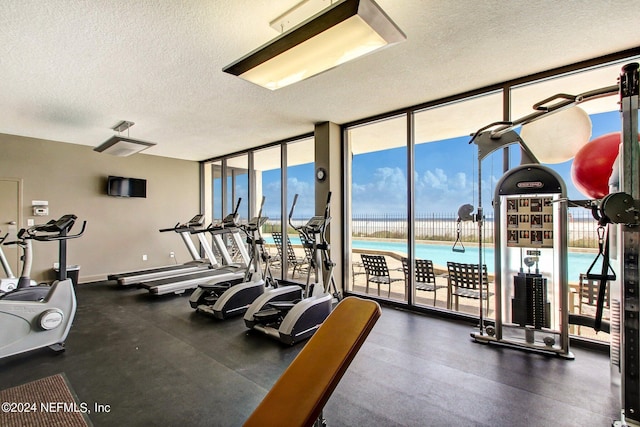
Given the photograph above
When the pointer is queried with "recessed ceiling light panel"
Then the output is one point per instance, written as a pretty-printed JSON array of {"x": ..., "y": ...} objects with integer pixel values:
[{"x": 345, "y": 31}]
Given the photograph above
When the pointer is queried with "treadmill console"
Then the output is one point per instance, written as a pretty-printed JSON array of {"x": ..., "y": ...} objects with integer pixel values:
[
  {"x": 230, "y": 220},
  {"x": 195, "y": 221}
]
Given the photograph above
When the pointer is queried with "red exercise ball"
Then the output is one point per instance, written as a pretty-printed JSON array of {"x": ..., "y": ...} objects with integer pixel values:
[{"x": 592, "y": 165}]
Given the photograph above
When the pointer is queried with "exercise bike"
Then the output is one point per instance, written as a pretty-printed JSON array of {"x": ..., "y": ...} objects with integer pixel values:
[
  {"x": 224, "y": 300},
  {"x": 10, "y": 282},
  {"x": 291, "y": 321},
  {"x": 33, "y": 317}
]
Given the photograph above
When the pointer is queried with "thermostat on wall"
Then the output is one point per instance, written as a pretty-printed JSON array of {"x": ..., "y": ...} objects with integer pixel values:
[{"x": 40, "y": 207}]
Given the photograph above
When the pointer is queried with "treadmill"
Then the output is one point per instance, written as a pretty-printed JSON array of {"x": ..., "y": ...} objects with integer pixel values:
[
  {"x": 197, "y": 264},
  {"x": 226, "y": 272}
]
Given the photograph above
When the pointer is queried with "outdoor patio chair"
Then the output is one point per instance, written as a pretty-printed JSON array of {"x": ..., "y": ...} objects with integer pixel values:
[
  {"x": 586, "y": 304},
  {"x": 588, "y": 295},
  {"x": 357, "y": 269},
  {"x": 377, "y": 272},
  {"x": 299, "y": 263},
  {"x": 425, "y": 277},
  {"x": 464, "y": 281},
  {"x": 588, "y": 290}
]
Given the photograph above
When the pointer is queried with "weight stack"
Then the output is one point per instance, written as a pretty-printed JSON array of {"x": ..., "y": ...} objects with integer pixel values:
[{"x": 529, "y": 306}]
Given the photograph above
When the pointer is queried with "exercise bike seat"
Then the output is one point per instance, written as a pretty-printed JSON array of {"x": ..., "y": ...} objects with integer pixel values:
[{"x": 35, "y": 293}]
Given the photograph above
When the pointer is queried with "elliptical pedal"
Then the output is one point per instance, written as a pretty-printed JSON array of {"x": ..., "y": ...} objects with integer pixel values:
[
  {"x": 284, "y": 306},
  {"x": 267, "y": 316},
  {"x": 288, "y": 318},
  {"x": 214, "y": 291},
  {"x": 211, "y": 299}
]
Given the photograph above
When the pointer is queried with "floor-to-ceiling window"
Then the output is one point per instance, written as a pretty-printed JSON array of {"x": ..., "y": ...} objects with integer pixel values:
[
  {"x": 237, "y": 169},
  {"x": 213, "y": 203},
  {"x": 379, "y": 206},
  {"x": 596, "y": 118},
  {"x": 268, "y": 184},
  {"x": 447, "y": 177},
  {"x": 246, "y": 178},
  {"x": 407, "y": 176},
  {"x": 300, "y": 182},
  {"x": 442, "y": 175}
]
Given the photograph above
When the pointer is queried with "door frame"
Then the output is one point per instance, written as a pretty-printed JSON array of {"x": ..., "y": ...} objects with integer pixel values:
[{"x": 19, "y": 181}]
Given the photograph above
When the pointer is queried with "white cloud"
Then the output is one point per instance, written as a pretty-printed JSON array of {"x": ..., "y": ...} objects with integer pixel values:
[
  {"x": 436, "y": 179},
  {"x": 390, "y": 179},
  {"x": 460, "y": 180}
]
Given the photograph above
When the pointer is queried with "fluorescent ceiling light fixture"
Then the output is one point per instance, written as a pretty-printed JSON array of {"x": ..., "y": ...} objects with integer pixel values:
[
  {"x": 122, "y": 146},
  {"x": 345, "y": 31}
]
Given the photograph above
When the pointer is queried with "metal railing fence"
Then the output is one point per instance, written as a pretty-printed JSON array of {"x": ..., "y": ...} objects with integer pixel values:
[{"x": 582, "y": 228}]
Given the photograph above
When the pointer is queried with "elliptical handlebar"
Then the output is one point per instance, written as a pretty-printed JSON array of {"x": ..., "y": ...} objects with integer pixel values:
[
  {"x": 293, "y": 206},
  {"x": 327, "y": 209},
  {"x": 256, "y": 222},
  {"x": 310, "y": 227},
  {"x": 327, "y": 205},
  {"x": 261, "y": 206}
]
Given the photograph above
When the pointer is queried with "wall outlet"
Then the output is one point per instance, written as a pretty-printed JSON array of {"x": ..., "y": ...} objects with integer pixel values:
[
  {"x": 144, "y": 257},
  {"x": 172, "y": 254}
]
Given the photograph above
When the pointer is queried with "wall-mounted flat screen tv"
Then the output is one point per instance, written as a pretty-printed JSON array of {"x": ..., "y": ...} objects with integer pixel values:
[{"x": 126, "y": 187}]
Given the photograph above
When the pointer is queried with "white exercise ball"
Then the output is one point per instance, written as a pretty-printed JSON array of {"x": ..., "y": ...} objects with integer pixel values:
[{"x": 557, "y": 137}]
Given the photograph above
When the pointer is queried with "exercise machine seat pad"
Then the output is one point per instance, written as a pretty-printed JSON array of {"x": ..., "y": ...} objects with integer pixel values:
[{"x": 299, "y": 395}]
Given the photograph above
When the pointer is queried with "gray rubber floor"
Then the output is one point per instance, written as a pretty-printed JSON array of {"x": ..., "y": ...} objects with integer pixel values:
[{"x": 154, "y": 361}]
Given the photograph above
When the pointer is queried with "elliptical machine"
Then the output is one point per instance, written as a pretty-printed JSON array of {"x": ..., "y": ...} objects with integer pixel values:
[
  {"x": 224, "y": 300},
  {"x": 291, "y": 321},
  {"x": 33, "y": 317}
]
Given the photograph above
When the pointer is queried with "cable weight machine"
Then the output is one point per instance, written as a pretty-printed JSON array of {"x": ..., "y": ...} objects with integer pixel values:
[{"x": 620, "y": 209}]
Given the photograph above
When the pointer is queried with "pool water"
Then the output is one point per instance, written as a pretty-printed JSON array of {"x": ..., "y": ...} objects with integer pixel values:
[{"x": 579, "y": 262}]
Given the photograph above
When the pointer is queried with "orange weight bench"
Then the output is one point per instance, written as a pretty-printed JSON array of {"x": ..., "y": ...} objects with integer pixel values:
[{"x": 299, "y": 395}]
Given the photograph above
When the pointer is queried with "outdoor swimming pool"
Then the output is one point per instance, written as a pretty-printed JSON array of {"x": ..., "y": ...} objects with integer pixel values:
[{"x": 579, "y": 262}]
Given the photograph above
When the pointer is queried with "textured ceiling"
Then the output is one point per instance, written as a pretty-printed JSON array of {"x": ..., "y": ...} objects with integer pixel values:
[{"x": 71, "y": 69}]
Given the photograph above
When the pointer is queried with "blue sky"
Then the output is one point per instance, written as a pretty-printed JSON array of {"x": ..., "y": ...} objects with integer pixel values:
[
  {"x": 446, "y": 174},
  {"x": 446, "y": 177}
]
